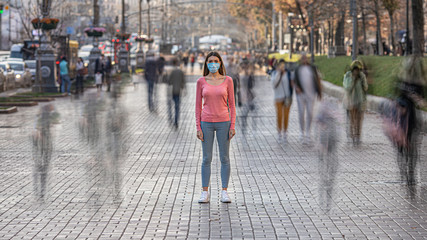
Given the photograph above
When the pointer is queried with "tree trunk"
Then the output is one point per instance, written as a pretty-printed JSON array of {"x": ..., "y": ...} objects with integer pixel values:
[
  {"x": 329, "y": 34},
  {"x": 365, "y": 41},
  {"x": 392, "y": 33},
  {"x": 317, "y": 40},
  {"x": 418, "y": 27},
  {"x": 339, "y": 33},
  {"x": 27, "y": 28},
  {"x": 380, "y": 49},
  {"x": 95, "y": 13}
]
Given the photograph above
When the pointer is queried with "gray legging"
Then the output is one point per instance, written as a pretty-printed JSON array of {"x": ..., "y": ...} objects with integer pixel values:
[
  {"x": 305, "y": 104},
  {"x": 222, "y": 134}
]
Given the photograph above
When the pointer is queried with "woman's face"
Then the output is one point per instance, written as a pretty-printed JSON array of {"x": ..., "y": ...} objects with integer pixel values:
[
  {"x": 213, "y": 59},
  {"x": 355, "y": 72},
  {"x": 281, "y": 66}
]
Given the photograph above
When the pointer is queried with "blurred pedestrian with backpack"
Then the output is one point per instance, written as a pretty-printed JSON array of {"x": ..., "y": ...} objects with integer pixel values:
[
  {"x": 151, "y": 75},
  {"x": 400, "y": 120},
  {"x": 307, "y": 89},
  {"x": 281, "y": 81},
  {"x": 176, "y": 80}
]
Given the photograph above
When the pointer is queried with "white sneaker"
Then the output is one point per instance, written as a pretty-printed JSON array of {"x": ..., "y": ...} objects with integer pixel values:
[
  {"x": 307, "y": 138},
  {"x": 285, "y": 138},
  {"x": 204, "y": 198},
  {"x": 224, "y": 197},
  {"x": 279, "y": 136},
  {"x": 302, "y": 138}
]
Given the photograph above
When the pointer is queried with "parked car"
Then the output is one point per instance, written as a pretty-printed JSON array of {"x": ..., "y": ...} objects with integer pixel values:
[
  {"x": 2, "y": 81},
  {"x": 16, "y": 51},
  {"x": 85, "y": 60},
  {"x": 9, "y": 74},
  {"x": 32, "y": 66},
  {"x": 19, "y": 69},
  {"x": 85, "y": 51}
]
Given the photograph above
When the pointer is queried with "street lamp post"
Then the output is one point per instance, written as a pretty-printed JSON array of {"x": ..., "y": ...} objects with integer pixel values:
[
  {"x": 46, "y": 68},
  {"x": 311, "y": 32},
  {"x": 407, "y": 29},
  {"x": 353, "y": 11},
  {"x": 280, "y": 30},
  {"x": 123, "y": 53},
  {"x": 140, "y": 51},
  {"x": 291, "y": 30},
  {"x": 273, "y": 29},
  {"x": 148, "y": 20},
  {"x": 148, "y": 23},
  {"x": 95, "y": 52}
]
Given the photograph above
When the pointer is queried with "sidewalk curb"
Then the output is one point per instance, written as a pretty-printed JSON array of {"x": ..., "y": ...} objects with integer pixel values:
[{"x": 373, "y": 102}]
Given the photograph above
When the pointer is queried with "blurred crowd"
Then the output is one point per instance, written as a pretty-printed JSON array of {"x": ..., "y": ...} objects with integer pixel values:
[{"x": 290, "y": 82}]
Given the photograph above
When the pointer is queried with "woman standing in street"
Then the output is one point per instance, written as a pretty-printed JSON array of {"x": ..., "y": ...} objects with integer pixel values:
[
  {"x": 215, "y": 112},
  {"x": 80, "y": 74},
  {"x": 282, "y": 85},
  {"x": 356, "y": 86}
]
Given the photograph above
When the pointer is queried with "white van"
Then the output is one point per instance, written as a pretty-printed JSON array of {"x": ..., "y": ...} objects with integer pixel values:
[{"x": 16, "y": 52}]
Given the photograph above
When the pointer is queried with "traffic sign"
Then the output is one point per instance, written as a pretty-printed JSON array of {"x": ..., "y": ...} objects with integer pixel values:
[{"x": 70, "y": 30}]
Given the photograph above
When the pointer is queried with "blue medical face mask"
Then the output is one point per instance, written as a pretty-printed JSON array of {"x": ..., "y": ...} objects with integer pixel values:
[{"x": 213, "y": 67}]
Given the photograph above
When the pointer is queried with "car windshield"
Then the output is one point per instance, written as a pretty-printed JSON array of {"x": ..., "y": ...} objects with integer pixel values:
[
  {"x": 16, "y": 55},
  {"x": 17, "y": 66},
  {"x": 3, "y": 66},
  {"x": 31, "y": 65}
]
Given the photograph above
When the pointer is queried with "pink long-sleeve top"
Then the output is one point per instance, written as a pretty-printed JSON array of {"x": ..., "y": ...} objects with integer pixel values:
[{"x": 211, "y": 102}]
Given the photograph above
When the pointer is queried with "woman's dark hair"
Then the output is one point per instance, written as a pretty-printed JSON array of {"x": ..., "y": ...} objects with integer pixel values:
[
  {"x": 221, "y": 69},
  {"x": 175, "y": 62},
  {"x": 64, "y": 58},
  {"x": 81, "y": 59}
]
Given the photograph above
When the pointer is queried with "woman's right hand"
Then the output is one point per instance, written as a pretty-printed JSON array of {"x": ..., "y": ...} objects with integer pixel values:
[{"x": 200, "y": 135}]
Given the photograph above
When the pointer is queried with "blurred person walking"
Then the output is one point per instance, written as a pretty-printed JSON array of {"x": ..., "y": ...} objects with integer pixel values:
[
  {"x": 80, "y": 75},
  {"x": 247, "y": 86},
  {"x": 65, "y": 78},
  {"x": 108, "y": 68},
  {"x": 215, "y": 112},
  {"x": 201, "y": 60},
  {"x": 42, "y": 149},
  {"x": 401, "y": 124},
  {"x": 176, "y": 81},
  {"x": 192, "y": 61},
  {"x": 327, "y": 141},
  {"x": 356, "y": 87},
  {"x": 283, "y": 89},
  {"x": 151, "y": 76},
  {"x": 185, "y": 60},
  {"x": 233, "y": 70},
  {"x": 100, "y": 69},
  {"x": 307, "y": 88}
]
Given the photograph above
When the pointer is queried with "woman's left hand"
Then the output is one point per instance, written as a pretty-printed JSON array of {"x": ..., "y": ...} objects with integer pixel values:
[{"x": 231, "y": 134}]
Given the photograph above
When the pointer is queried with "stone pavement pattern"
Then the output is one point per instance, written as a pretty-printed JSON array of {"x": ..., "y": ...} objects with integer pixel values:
[{"x": 275, "y": 189}]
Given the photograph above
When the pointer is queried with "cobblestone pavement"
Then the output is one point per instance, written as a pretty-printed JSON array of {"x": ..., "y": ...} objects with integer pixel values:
[{"x": 142, "y": 179}]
